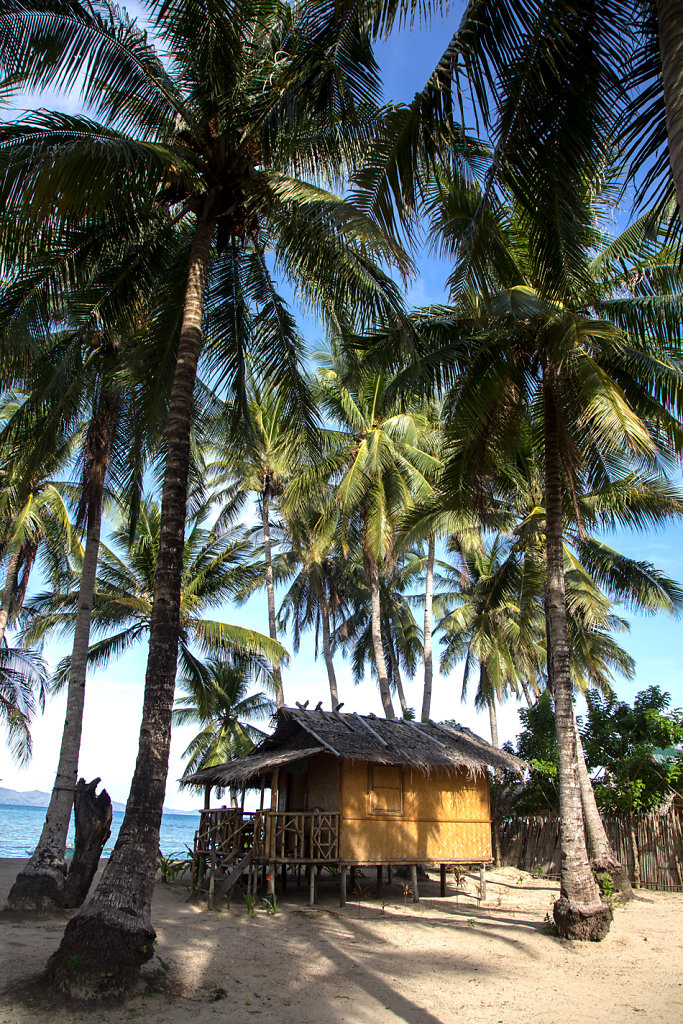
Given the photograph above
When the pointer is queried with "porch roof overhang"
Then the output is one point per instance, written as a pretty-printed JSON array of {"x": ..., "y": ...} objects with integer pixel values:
[{"x": 246, "y": 771}]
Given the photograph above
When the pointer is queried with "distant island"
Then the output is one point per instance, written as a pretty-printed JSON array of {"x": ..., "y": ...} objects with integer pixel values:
[{"x": 36, "y": 798}]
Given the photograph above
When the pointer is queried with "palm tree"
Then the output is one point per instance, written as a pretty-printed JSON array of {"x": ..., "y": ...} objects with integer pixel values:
[
  {"x": 317, "y": 594},
  {"x": 40, "y": 884},
  {"x": 378, "y": 469},
  {"x": 563, "y": 355},
  {"x": 432, "y": 440},
  {"x": 483, "y": 627},
  {"x": 33, "y": 509},
  {"x": 219, "y": 133},
  {"x": 402, "y": 642},
  {"x": 77, "y": 376},
  {"x": 215, "y": 569},
  {"x": 533, "y": 69},
  {"x": 23, "y": 684},
  {"x": 258, "y": 459},
  {"x": 216, "y": 697}
]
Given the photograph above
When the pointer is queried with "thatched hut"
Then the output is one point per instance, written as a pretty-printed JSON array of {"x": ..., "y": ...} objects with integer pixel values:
[{"x": 350, "y": 790}]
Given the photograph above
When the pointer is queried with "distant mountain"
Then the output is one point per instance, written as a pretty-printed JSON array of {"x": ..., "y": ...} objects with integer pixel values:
[
  {"x": 33, "y": 798},
  {"x": 36, "y": 798}
]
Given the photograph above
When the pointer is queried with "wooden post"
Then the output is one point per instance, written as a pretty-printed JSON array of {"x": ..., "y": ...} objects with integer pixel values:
[
  {"x": 273, "y": 808},
  {"x": 443, "y": 879},
  {"x": 298, "y": 876},
  {"x": 274, "y": 782},
  {"x": 212, "y": 877},
  {"x": 195, "y": 866},
  {"x": 250, "y": 878},
  {"x": 353, "y": 879},
  {"x": 413, "y": 879},
  {"x": 482, "y": 883},
  {"x": 342, "y": 886},
  {"x": 283, "y": 877},
  {"x": 259, "y": 820},
  {"x": 380, "y": 879},
  {"x": 311, "y": 885}
]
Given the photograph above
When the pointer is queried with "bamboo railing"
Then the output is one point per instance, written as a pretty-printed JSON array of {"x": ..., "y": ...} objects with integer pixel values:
[
  {"x": 305, "y": 837},
  {"x": 224, "y": 832}
]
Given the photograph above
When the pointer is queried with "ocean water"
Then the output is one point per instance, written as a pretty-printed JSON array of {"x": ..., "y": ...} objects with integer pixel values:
[{"x": 20, "y": 829}]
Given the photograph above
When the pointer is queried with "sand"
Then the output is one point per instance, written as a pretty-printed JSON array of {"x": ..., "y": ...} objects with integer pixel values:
[{"x": 374, "y": 962}]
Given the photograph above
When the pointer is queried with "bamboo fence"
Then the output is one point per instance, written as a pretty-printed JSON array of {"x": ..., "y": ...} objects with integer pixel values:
[{"x": 533, "y": 844}]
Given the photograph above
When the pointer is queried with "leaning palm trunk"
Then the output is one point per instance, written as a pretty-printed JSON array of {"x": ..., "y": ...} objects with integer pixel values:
[
  {"x": 398, "y": 682},
  {"x": 429, "y": 665},
  {"x": 270, "y": 587},
  {"x": 40, "y": 884},
  {"x": 10, "y": 584},
  {"x": 579, "y": 913},
  {"x": 113, "y": 936},
  {"x": 530, "y": 701},
  {"x": 670, "y": 32},
  {"x": 602, "y": 856},
  {"x": 327, "y": 647},
  {"x": 372, "y": 573}
]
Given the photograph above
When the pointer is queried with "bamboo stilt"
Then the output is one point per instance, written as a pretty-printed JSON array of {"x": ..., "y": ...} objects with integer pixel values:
[{"x": 413, "y": 881}]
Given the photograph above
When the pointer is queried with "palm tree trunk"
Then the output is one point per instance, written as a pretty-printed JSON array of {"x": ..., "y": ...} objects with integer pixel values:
[
  {"x": 495, "y": 794},
  {"x": 372, "y": 573},
  {"x": 493, "y": 722},
  {"x": 603, "y": 858},
  {"x": 327, "y": 649},
  {"x": 429, "y": 668},
  {"x": 527, "y": 693},
  {"x": 10, "y": 584},
  {"x": 270, "y": 586},
  {"x": 634, "y": 850},
  {"x": 670, "y": 31},
  {"x": 112, "y": 936},
  {"x": 579, "y": 913},
  {"x": 40, "y": 884},
  {"x": 398, "y": 682}
]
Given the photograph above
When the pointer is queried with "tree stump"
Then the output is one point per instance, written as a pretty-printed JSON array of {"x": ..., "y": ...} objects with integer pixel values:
[{"x": 92, "y": 816}]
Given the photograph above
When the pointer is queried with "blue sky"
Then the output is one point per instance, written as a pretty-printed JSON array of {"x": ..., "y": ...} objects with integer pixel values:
[{"x": 114, "y": 697}]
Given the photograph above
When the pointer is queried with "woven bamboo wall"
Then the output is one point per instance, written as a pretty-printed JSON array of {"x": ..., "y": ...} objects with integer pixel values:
[
  {"x": 318, "y": 787},
  {"x": 444, "y": 817},
  {"x": 533, "y": 844}
]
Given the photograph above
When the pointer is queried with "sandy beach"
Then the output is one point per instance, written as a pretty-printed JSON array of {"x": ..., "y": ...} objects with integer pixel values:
[{"x": 374, "y": 962}]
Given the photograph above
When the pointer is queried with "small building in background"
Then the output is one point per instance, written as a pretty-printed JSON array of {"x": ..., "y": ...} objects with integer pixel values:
[{"x": 349, "y": 790}]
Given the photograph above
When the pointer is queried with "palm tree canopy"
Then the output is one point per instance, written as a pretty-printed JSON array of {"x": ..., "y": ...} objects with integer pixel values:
[
  {"x": 216, "y": 696},
  {"x": 215, "y": 568},
  {"x": 23, "y": 685}
]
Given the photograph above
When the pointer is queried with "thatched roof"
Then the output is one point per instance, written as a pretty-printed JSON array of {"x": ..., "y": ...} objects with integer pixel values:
[{"x": 300, "y": 733}]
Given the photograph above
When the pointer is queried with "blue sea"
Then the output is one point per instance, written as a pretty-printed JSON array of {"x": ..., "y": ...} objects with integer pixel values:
[{"x": 20, "y": 829}]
